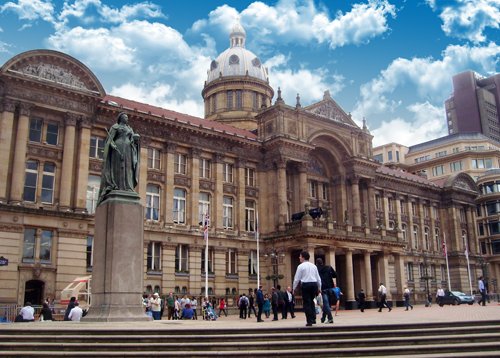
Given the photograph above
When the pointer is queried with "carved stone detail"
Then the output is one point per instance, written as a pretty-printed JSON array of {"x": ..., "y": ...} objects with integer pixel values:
[
  {"x": 181, "y": 180},
  {"x": 72, "y": 234},
  {"x": 95, "y": 166},
  {"x": 25, "y": 108},
  {"x": 158, "y": 177},
  {"x": 207, "y": 185},
  {"x": 170, "y": 147},
  {"x": 9, "y": 105},
  {"x": 145, "y": 141},
  {"x": 252, "y": 193},
  {"x": 70, "y": 119},
  {"x": 53, "y": 73},
  {"x": 42, "y": 152},
  {"x": 11, "y": 228},
  {"x": 219, "y": 157},
  {"x": 292, "y": 127},
  {"x": 85, "y": 122},
  {"x": 229, "y": 189},
  {"x": 241, "y": 163},
  {"x": 195, "y": 153}
]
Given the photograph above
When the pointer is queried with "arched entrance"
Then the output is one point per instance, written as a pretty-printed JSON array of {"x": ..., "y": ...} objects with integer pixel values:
[{"x": 33, "y": 292}]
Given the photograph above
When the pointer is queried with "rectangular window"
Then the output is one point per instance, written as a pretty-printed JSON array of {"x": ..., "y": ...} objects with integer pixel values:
[
  {"x": 249, "y": 177},
  {"x": 397, "y": 156},
  {"x": 181, "y": 258},
  {"x": 249, "y": 215},
  {"x": 93, "y": 184},
  {"x": 154, "y": 158},
  {"x": 210, "y": 260},
  {"x": 255, "y": 105},
  {"x": 96, "y": 147},
  {"x": 456, "y": 166},
  {"x": 90, "y": 257},
  {"x": 312, "y": 189},
  {"x": 29, "y": 245},
  {"x": 227, "y": 212},
  {"x": 494, "y": 227},
  {"x": 487, "y": 163},
  {"x": 239, "y": 99},
  {"x": 204, "y": 208},
  {"x": 214, "y": 103},
  {"x": 252, "y": 263},
  {"x": 402, "y": 204},
  {"x": 179, "y": 206},
  {"x": 415, "y": 236},
  {"x": 462, "y": 215},
  {"x": 227, "y": 173},
  {"x": 435, "y": 213},
  {"x": 324, "y": 191},
  {"x": 378, "y": 202},
  {"x": 414, "y": 209},
  {"x": 152, "y": 202},
  {"x": 439, "y": 170},
  {"x": 205, "y": 168},
  {"x": 49, "y": 171},
  {"x": 231, "y": 261},
  {"x": 30, "y": 181},
  {"x": 410, "y": 271},
  {"x": 481, "y": 229},
  {"x": 45, "y": 246},
  {"x": 36, "y": 130},
  {"x": 426, "y": 211},
  {"x": 52, "y": 133},
  {"x": 229, "y": 99},
  {"x": 154, "y": 256},
  {"x": 180, "y": 163},
  {"x": 389, "y": 156},
  {"x": 390, "y": 203},
  {"x": 379, "y": 158}
]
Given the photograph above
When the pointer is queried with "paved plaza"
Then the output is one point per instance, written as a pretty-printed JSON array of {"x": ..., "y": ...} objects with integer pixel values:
[{"x": 398, "y": 315}]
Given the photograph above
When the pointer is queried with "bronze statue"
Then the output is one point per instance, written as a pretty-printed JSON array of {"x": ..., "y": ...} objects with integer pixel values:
[{"x": 120, "y": 170}]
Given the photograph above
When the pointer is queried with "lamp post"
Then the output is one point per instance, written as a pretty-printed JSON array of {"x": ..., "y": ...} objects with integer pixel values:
[
  {"x": 276, "y": 254},
  {"x": 426, "y": 260}
]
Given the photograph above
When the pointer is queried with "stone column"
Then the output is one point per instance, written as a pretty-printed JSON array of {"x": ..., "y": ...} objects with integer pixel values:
[
  {"x": 356, "y": 205},
  {"x": 82, "y": 165},
  {"x": 217, "y": 209},
  {"x": 68, "y": 161},
  {"x": 368, "y": 276},
  {"x": 349, "y": 275},
  {"x": 7, "y": 110},
  {"x": 19, "y": 165},
  {"x": 303, "y": 189},
  {"x": 339, "y": 201},
  {"x": 282, "y": 202},
  {"x": 143, "y": 171},
  {"x": 168, "y": 267},
  {"x": 330, "y": 258},
  {"x": 371, "y": 200},
  {"x": 400, "y": 275},
  {"x": 398, "y": 210},
  {"x": 385, "y": 208},
  {"x": 219, "y": 266},
  {"x": 242, "y": 261},
  {"x": 421, "y": 228},
  {"x": 241, "y": 164},
  {"x": 470, "y": 230},
  {"x": 195, "y": 279},
  {"x": 194, "y": 195},
  {"x": 383, "y": 264},
  {"x": 168, "y": 195}
]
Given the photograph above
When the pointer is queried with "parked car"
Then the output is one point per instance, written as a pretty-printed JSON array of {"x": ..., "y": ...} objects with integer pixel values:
[{"x": 456, "y": 298}]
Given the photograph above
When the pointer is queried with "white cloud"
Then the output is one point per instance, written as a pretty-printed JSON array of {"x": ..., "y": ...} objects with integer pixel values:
[
  {"x": 364, "y": 22},
  {"x": 428, "y": 123},
  {"x": 97, "y": 48},
  {"x": 309, "y": 84},
  {"x": 300, "y": 22},
  {"x": 468, "y": 19},
  {"x": 430, "y": 77},
  {"x": 160, "y": 95},
  {"x": 4, "y": 47},
  {"x": 144, "y": 9},
  {"x": 25, "y": 26},
  {"x": 30, "y": 9}
]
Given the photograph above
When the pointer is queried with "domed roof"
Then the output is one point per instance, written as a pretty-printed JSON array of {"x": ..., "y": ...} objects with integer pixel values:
[{"x": 237, "y": 60}]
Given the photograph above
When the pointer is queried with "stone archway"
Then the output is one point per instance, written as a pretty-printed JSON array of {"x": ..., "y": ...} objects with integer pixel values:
[{"x": 33, "y": 292}]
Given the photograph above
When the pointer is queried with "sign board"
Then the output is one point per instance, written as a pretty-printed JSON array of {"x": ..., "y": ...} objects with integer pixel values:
[{"x": 3, "y": 261}]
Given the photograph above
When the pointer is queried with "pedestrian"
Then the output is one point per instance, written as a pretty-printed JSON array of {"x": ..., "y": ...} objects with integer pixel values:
[
  {"x": 184, "y": 301},
  {"x": 53, "y": 306},
  {"x": 162, "y": 305},
  {"x": 194, "y": 305},
  {"x": 274, "y": 303},
  {"x": 267, "y": 306},
  {"x": 429, "y": 300},
  {"x": 327, "y": 274},
  {"x": 338, "y": 293},
  {"x": 71, "y": 305},
  {"x": 362, "y": 300},
  {"x": 155, "y": 304},
  {"x": 307, "y": 274},
  {"x": 46, "y": 313},
  {"x": 187, "y": 312},
  {"x": 76, "y": 313},
  {"x": 291, "y": 302},
  {"x": 482, "y": 291},
  {"x": 243, "y": 305},
  {"x": 222, "y": 307},
  {"x": 170, "y": 305},
  {"x": 382, "y": 291},
  {"x": 260, "y": 303},
  {"x": 440, "y": 296},
  {"x": 282, "y": 300},
  {"x": 407, "y": 298},
  {"x": 251, "y": 305},
  {"x": 27, "y": 314}
]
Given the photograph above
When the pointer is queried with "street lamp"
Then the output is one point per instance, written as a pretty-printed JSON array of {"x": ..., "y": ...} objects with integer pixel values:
[
  {"x": 276, "y": 254},
  {"x": 426, "y": 261}
]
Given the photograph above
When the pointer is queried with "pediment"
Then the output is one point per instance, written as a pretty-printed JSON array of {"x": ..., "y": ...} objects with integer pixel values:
[
  {"x": 328, "y": 108},
  {"x": 54, "y": 68}
]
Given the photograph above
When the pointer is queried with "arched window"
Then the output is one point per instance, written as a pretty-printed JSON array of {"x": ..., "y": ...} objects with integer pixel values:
[
  {"x": 157, "y": 289},
  {"x": 177, "y": 289},
  {"x": 184, "y": 289},
  {"x": 234, "y": 291},
  {"x": 210, "y": 291},
  {"x": 228, "y": 291},
  {"x": 149, "y": 288}
]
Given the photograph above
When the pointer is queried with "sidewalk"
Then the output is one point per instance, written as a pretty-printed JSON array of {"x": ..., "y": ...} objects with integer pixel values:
[{"x": 398, "y": 315}]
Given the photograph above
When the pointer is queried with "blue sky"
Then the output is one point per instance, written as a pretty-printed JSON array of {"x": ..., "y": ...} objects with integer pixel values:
[{"x": 389, "y": 61}]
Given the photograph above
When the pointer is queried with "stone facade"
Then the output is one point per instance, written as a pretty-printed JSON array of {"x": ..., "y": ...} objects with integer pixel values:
[{"x": 378, "y": 224}]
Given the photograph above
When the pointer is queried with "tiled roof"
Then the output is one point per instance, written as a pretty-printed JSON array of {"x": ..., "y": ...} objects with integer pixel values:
[
  {"x": 447, "y": 139},
  {"x": 408, "y": 176},
  {"x": 158, "y": 111}
]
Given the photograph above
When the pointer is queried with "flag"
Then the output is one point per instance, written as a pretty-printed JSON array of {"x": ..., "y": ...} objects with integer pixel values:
[
  {"x": 465, "y": 245},
  {"x": 444, "y": 245},
  {"x": 257, "y": 225},
  {"x": 207, "y": 223}
]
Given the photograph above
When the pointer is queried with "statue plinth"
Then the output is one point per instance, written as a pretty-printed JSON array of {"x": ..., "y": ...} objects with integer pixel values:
[{"x": 117, "y": 273}]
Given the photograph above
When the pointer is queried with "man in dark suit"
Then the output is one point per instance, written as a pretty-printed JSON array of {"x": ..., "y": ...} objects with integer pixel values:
[
  {"x": 362, "y": 298},
  {"x": 327, "y": 274},
  {"x": 260, "y": 303}
]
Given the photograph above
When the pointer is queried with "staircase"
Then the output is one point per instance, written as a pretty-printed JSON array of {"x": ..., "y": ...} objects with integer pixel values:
[{"x": 468, "y": 339}]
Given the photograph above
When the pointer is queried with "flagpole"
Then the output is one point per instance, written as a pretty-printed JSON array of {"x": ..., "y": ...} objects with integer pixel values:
[
  {"x": 447, "y": 264},
  {"x": 468, "y": 265},
  {"x": 205, "y": 237},
  {"x": 258, "y": 253}
]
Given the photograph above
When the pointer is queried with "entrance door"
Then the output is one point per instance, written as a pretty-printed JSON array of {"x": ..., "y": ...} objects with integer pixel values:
[{"x": 33, "y": 292}]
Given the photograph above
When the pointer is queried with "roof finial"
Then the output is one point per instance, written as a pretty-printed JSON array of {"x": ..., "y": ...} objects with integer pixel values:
[
  {"x": 364, "y": 123},
  {"x": 298, "y": 101},
  {"x": 279, "y": 99}
]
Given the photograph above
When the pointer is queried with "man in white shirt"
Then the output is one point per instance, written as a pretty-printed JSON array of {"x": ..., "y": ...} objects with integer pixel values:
[
  {"x": 482, "y": 291},
  {"x": 440, "y": 296},
  {"x": 307, "y": 274},
  {"x": 383, "y": 295},
  {"x": 76, "y": 313},
  {"x": 27, "y": 313}
]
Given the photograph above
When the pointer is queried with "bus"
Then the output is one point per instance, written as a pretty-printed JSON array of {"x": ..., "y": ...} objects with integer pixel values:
[{"x": 79, "y": 288}]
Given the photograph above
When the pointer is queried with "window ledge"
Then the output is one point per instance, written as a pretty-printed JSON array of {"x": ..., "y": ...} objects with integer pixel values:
[
  {"x": 230, "y": 275},
  {"x": 209, "y": 275},
  {"x": 184, "y": 274},
  {"x": 157, "y": 273},
  {"x": 252, "y": 277}
]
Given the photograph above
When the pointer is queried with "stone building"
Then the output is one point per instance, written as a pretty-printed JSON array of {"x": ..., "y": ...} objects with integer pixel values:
[{"x": 378, "y": 224}]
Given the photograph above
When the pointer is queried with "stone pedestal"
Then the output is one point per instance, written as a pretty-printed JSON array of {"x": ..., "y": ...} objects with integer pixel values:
[{"x": 117, "y": 273}]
